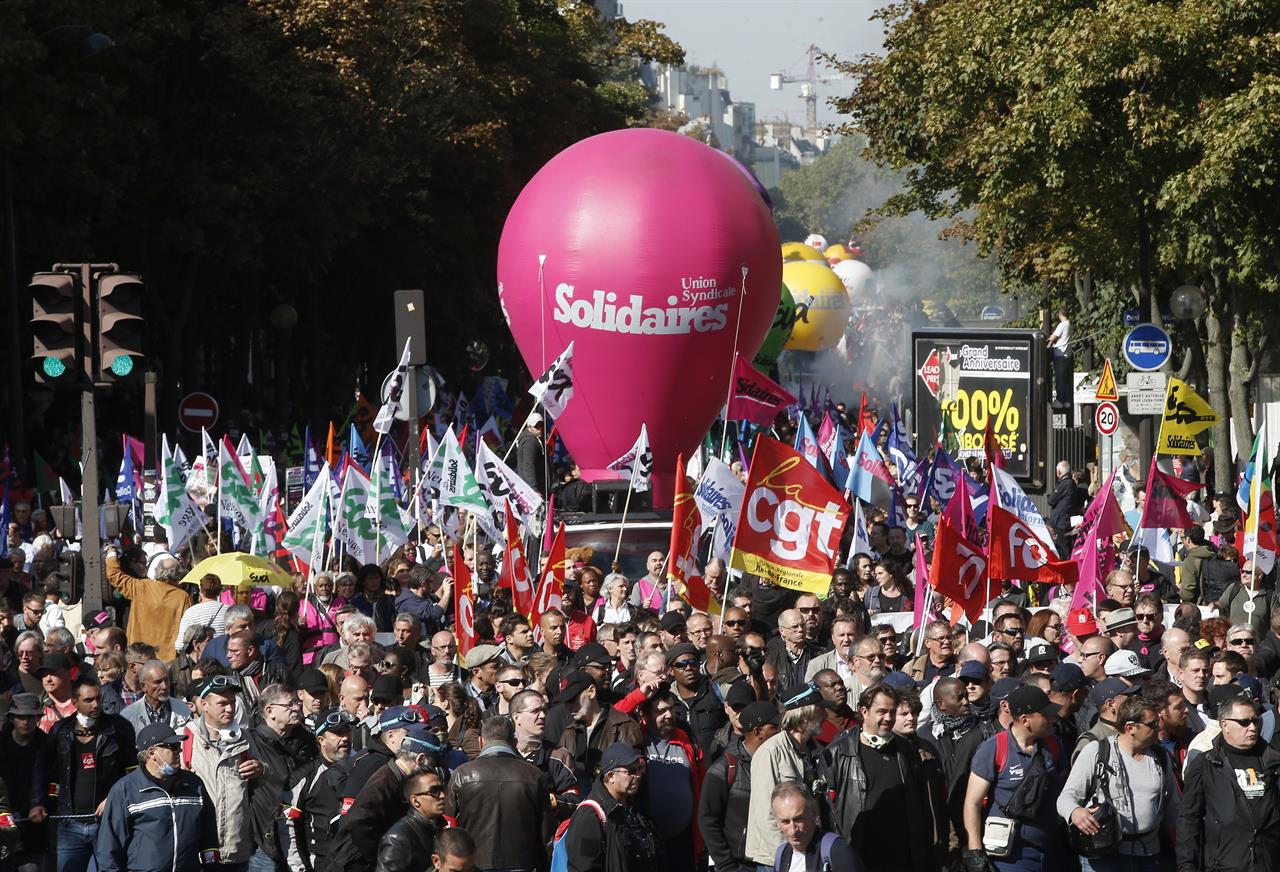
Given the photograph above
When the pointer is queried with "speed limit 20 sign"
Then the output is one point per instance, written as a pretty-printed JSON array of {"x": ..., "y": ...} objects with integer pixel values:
[{"x": 1106, "y": 417}]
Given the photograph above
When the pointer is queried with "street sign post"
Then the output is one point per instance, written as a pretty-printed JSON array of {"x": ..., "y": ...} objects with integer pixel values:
[
  {"x": 197, "y": 410},
  {"x": 1107, "y": 384},
  {"x": 1106, "y": 417},
  {"x": 1146, "y": 392},
  {"x": 1147, "y": 347}
]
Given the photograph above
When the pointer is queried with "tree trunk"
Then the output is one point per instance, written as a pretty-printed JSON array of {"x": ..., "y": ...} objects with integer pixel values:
[
  {"x": 1217, "y": 318},
  {"x": 1241, "y": 376}
]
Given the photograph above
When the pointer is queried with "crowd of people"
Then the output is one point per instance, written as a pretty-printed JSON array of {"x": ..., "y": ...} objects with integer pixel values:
[{"x": 334, "y": 725}]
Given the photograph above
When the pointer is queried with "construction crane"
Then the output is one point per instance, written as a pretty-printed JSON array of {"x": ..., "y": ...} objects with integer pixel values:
[{"x": 808, "y": 88}]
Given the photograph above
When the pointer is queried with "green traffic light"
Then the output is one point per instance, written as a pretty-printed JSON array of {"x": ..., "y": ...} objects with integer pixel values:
[
  {"x": 53, "y": 367},
  {"x": 122, "y": 365}
]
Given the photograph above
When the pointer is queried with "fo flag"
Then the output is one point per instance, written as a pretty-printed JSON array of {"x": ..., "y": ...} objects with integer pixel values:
[
  {"x": 1017, "y": 552},
  {"x": 755, "y": 397},
  {"x": 554, "y": 388},
  {"x": 464, "y": 604},
  {"x": 637, "y": 463},
  {"x": 791, "y": 522},
  {"x": 395, "y": 394},
  {"x": 515, "y": 568},
  {"x": 959, "y": 571},
  {"x": 550, "y": 589}
]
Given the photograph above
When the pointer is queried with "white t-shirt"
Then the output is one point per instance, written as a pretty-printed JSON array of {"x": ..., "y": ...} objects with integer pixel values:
[{"x": 1061, "y": 336}]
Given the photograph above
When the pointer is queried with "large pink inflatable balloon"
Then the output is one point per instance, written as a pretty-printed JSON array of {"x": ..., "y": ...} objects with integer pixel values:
[{"x": 643, "y": 236}]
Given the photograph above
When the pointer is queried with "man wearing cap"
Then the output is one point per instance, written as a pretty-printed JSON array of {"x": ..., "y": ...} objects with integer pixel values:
[
  {"x": 530, "y": 457},
  {"x": 87, "y": 753},
  {"x": 158, "y": 817},
  {"x": 1125, "y": 665},
  {"x": 1068, "y": 689},
  {"x": 156, "y": 704},
  {"x": 1230, "y": 815},
  {"x": 676, "y": 769},
  {"x": 482, "y": 663},
  {"x": 1080, "y": 626},
  {"x": 614, "y": 835},
  {"x": 1041, "y": 657},
  {"x": 592, "y": 727},
  {"x": 314, "y": 800},
  {"x": 700, "y": 708},
  {"x": 227, "y": 759},
  {"x": 54, "y": 672},
  {"x": 880, "y": 787},
  {"x": 313, "y": 692},
  {"x": 1107, "y": 697},
  {"x": 23, "y": 747},
  {"x": 503, "y": 801},
  {"x": 673, "y": 629},
  {"x": 387, "y": 733},
  {"x": 1121, "y": 627},
  {"x": 725, "y": 800},
  {"x": 1017, "y": 774}
]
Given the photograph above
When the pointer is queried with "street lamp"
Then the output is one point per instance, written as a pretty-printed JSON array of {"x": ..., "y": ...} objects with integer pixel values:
[{"x": 1187, "y": 302}]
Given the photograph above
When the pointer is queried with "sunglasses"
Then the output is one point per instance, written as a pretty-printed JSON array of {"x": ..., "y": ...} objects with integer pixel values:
[
  {"x": 1013, "y": 631},
  {"x": 1150, "y": 725},
  {"x": 1245, "y": 722},
  {"x": 384, "y": 666},
  {"x": 436, "y": 791},
  {"x": 1240, "y": 643},
  {"x": 1146, "y": 616},
  {"x": 735, "y": 623},
  {"x": 809, "y": 610},
  {"x": 684, "y": 664},
  {"x": 513, "y": 682},
  {"x": 217, "y": 682}
]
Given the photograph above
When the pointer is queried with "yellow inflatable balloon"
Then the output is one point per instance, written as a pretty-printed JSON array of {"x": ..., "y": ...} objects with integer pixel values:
[
  {"x": 822, "y": 305},
  {"x": 799, "y": 251},
  {"x": 836, "y": 253}
]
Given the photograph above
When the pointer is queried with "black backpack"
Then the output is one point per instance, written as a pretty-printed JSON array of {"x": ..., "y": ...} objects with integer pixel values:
[{"x": 1216, "y": 575}]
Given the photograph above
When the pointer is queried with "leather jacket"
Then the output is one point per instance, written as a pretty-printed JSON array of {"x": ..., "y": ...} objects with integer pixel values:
[
  {"x": 504, "y": 802},
  {"x": 407, "y": 844}
]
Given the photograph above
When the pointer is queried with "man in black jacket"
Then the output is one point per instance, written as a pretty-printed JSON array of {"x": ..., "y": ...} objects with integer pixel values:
[
  {"x": 87, "y": 753},
  {"x": 700, "y": 709},
  {"x": 609, "y": 834},
  {"x": 530, "y": 454},
  {"x": 284, "y": 748},
  {"x": 1066, "y": 500},
  {"x": 957, "y": 733},
  {"x": 315, "y": 802},
  {"x": 413, "y": 837},
  {"x": 1230, "y": 814},
  {"x": 880, "y": 788},
  {"x": 726, "y": 791},
  {"x": 503, "y": 801}
]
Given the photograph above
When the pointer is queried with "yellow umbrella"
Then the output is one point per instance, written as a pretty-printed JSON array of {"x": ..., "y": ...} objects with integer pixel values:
[{"x": 237, "y": 569}]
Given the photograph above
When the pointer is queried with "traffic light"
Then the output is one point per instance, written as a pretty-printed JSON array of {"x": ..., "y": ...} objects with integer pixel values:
[
  {"x": 119, "y": 326},
  {"x": 54, "y": 327}
]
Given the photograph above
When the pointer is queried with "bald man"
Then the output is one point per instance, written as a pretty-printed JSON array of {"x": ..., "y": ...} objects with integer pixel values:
[
  {"x": 736, "y": 622},
  {"x": 157, "y": 606}
]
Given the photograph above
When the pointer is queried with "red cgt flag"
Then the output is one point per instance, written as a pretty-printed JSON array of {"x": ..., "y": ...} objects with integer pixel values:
[
  {"x": 464, "y": 606},
  {"x": 550, "y": 593},
  {"x": 959, "y": 571},
  {"x": 1017, "y": 552},
  {"x": 515, "y": 568},
  {"x": 791, "y": 521}
]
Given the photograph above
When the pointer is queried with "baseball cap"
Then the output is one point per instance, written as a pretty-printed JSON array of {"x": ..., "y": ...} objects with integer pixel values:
[
  {"x": 684, "y": 649},
  {"x": 1108, "y": 689},
  {"x": 434, "y": 716},
  {"x": 482, "y": 654},
  {"x": 420, "y": 740},
  {"x": 386, "y": 688},
  {"x": 757, "y": 714},
  {"x": 54, "y": 662},
  {"x": 98, "y": 620},
  {"x": 1120, "y": 618},
  {"x": 672, "y": 622},
  {"x": 1029, "y": 700},
  {"x": 1041, "y": 652},
  {"x": 1124, "y": 664},
  {"x": 1220, "y": 694},
  {"x": 975, "y": 670},
  {"x": 593, "y": 654},
  {"x": 398, "y": 717},
  {"x": 313, "y": 681},
  {"x": 159, "y": 733},
  {"x": 898, "y": 679},
  {"x": 804, "y": 694},
  {"x": 738, "y": 695},
  {"x": 574, "y": 685},
  {"x": 619, "y": 755},
  {"x": 1080, "y": 622},
  {"x": 333, "y": 719},
  {"x": 1066, "y": 678},
  {"x": 1249, "y": 686},
  {"x": 1005, "y": 686}
]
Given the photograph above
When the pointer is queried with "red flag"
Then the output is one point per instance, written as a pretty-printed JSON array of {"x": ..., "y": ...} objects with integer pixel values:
[
  {"x": 550, "y": 585},
  {"x": 959, "y": 510},
  {"x": 991, "y": 445},
  {"x": 1015, "y": 551},
  {"x": 959, "y": 571},
  {"x": 791, "y": 521},
  {"x": 330, "y": 454},
  {"x": 1166, "y": 504},
  {"x": 755, "y": 396},
  {"x": 864, "y": 416},
  {"x": 682, "y": 557},
  {"x": 464, "y": 607},
  {"x": 515, "y": 568}
]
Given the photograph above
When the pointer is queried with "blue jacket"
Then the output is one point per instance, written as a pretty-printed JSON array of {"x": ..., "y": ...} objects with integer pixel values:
[
  {"x": 217, "y": 649},
  {"x": 146, "y": 828}
]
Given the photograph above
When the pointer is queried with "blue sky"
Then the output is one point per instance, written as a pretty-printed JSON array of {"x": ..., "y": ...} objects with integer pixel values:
[{"x": 749, "y": 39}]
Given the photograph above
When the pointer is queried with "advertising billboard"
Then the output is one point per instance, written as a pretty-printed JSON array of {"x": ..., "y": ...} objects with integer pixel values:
[{"x": 976, "y": 377}]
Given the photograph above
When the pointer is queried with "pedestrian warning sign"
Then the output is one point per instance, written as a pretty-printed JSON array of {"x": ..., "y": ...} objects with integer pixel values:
[{"x": 1107, "y": 384}]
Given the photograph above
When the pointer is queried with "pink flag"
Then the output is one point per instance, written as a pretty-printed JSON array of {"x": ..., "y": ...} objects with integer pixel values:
[
  {"x": 754, "y": 396},
  {"x": 1166, "y": 504},
  {"x": 137, "y": 449},
  {"x": 1102, "y": 520},
  {"x": 826, "y": 433},
  {"x": 921, "y": 599},
  {"x": 959, "y": 510}
]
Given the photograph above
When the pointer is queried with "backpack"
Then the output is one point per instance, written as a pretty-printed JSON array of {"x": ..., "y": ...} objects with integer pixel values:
[
  {"x": 1216, "y": 575},
  {"x": 559, "y": 852},
  {"x": 824, "y": 851},
  {"x": 1050, "y": 743},
  {"x": 730, "y": 769}
]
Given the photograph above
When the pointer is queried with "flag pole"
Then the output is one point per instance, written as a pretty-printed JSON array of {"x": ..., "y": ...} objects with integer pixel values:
[
  {"x": 733, "y": 363},
  {"x": 621, "y": 527},
  {"x": 377, "y": 502}
]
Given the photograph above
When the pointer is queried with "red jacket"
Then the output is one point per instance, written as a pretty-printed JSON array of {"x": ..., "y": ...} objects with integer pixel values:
[{"x": 698, "y": 764}]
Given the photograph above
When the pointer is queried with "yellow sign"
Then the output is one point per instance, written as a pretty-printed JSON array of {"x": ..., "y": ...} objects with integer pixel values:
[
  {"x": 1107, "y": 384},
  {"x": 1186, "y": 413}
]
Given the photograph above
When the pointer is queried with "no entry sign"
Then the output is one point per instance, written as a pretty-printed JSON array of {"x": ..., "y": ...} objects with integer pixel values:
[{"x": 197, "y": 410}]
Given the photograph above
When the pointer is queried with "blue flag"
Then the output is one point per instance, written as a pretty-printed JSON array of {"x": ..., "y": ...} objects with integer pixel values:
[
  {"x": 807, "y": 445},
  {"x": 358, "y": 450},
  {"x": 868, "y": 466},
  {"x": 838, "y": 460},
  {"x": 901, "y": 453},
  {"x": 310, "y": 461},
  {"x": 124, "y": 481}
]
